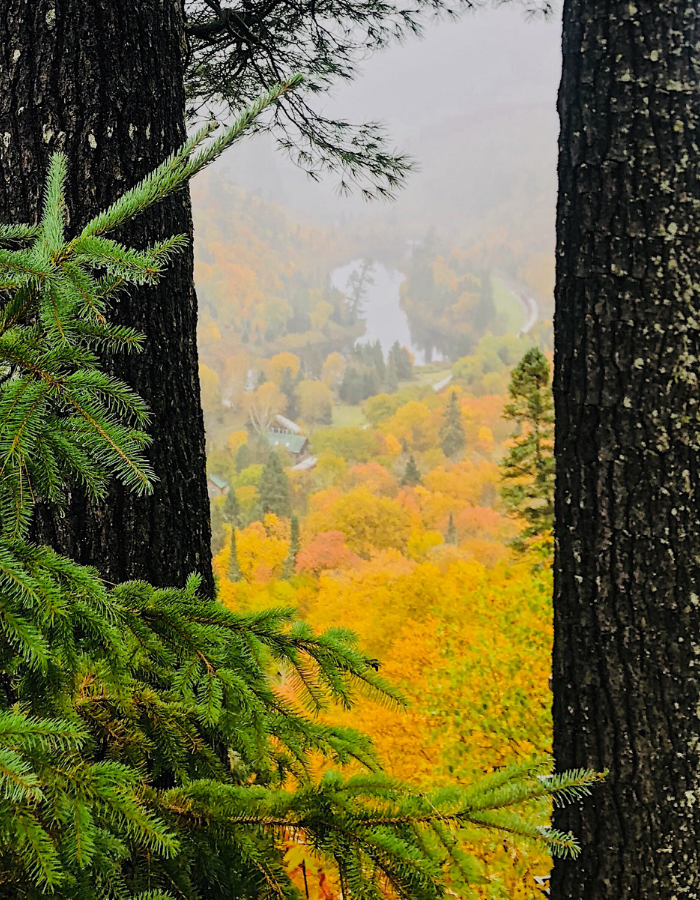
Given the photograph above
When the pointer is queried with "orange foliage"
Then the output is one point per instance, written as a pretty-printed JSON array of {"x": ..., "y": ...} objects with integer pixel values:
[
  {"x": 373, "y": 476},
  {"x": 326, "y": 551},
  {"x": 474, "y": 484}
]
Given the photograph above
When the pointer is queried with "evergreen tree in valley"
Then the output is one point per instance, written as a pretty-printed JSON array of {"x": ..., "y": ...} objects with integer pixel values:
[
  {"x": 452, "y": 435},
  {"x": 243, "y": 457},
  {"x": 358, "y": 284},
  {"x": 273, "y": 489},
  {"x": 288, "y": 388},
  {"x": 451, "y": 536},
  {"x": 401, "y": 359},
  {"x": 527, "y": 486},
  {"x": 218, "y": 534},
  {"x": 370, "y": 383},
  {"x": 411, "y": 476},
  {"x": 352, "y": 387},
  {"x": 378, "y": 360},
  {"x": 294, "y": 546},
  {"x": 391, "y": 379},
  {"x": 232, "y": 508},
  {"x": 234, "y": 571}
]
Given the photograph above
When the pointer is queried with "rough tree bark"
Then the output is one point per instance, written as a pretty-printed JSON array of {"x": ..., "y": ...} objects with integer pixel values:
[
  {"x": 103, "y": 81},
  {"x": 627, "y": 338}
]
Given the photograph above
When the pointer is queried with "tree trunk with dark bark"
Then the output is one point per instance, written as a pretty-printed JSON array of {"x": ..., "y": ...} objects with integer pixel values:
[
  {"x": 102, "y": 80},
  {"x": 627, "y": 351}
]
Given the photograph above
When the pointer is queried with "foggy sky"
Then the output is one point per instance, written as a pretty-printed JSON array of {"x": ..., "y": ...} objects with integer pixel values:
[{"x": 473, "y": 102}]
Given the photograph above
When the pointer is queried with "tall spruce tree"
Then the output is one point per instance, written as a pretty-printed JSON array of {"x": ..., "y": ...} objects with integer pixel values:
[
  {"x": 411, "y": 475},
  {"x": 289, "y": 389},
  {"x": 627, "y": 345},
  {"x": 453, "y": 439},
  {"x": 294, "y": 545},
  {"x": 527, "y": 472},
  {"x": 144, "y": 751},
  {"x": 243, "y": 457},
  {"x": 233, "y": 571},
  {"x": 401, "y": 359},
  {"x": 273, "y": 489},
  {"x": 232, "y": 508},
  {"x": 451, "y": 536}
]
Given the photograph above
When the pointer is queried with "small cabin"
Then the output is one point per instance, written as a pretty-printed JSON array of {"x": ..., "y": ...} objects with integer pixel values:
[
  {"x": 296, "y": 444},
  {"x": 216, "y": 486}
]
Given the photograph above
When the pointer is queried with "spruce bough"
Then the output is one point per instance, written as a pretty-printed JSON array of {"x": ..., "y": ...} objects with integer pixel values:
[{"x": 144, "y": 749}]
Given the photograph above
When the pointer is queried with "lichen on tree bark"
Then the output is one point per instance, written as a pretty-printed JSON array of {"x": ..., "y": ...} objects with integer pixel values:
[{"x": 627, "y": 351}]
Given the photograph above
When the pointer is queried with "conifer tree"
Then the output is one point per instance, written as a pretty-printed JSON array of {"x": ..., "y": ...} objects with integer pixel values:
[
  {"x": 527, "y": 472},
  {"x": 359, "y": 282},
  {"x": 391, "y": 379},
  {"x": 401, "y": 359},
  {"x": 351, "y": 388},
  {"x": 451, "y": 536},
  {"x": 273, "y": 489},
  {"x": 288, "y": 388},
  {"x": 145, "y": 752},
  {"x": 232, "y": 508},
  {"x": 234, "y": 570},
  {"x": 411, "y": 476},
  {"x": 218, "y": 535},
  {"x": 243, "y": 458},
  {"x": 378, "y": 360},
  {"x": 291, "y": 560},
  {"x": 452, "y": 435}
]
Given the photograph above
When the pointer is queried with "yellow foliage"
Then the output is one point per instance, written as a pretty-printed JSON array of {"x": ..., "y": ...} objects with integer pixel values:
[
  {"x": 416, "y": 424},
  {"x": 260, "y": 555},
  {"x": 236, "y": 440},
  {"x": 463, "y": 630},
  {"x": 475, "y": 484},
  {"x": 333, "y": 369},
  {"x": 391, "y": 445},
  {"x": 320, "y": 315},
  {"x": 247, "y": 498},
  {"x": 484, "y": 441},
  {"x": 368, "y": 522},
  {"x": 315, "y": 401},
  {"x": 330, "y": 470},
  {"x": 420, "y": 543},
  {"x": 210, "y": 387},
  {"x": 276, "y": 367}
]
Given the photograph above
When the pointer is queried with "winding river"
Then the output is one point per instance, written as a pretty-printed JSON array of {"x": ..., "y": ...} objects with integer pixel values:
[{"x": 387, "y": 322}]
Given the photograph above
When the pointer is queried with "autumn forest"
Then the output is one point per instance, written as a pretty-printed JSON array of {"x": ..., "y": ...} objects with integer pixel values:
[
  {"x": 349, "y": 450},
  {"x": 409, "y": 503}
]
